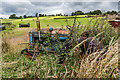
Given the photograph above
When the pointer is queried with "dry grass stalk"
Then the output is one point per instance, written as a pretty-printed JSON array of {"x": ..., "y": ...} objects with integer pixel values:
[{"x": 96, "y": 64}]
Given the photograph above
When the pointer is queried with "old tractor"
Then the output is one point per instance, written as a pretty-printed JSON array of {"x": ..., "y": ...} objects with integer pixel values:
[
  {"x": 55, "y": 40},
  {"x": 38, "y": 40}
]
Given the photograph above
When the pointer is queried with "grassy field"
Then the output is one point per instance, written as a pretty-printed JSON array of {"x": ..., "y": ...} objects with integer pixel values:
[
  {"x": 45, "y": 65},
  {"x": 48, "y": 20}
]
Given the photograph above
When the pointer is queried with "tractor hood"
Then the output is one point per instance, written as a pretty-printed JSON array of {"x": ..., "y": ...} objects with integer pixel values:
[{"x": 55, "y": 31}]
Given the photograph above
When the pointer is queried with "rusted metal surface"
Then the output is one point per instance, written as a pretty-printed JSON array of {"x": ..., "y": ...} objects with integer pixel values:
[
  {"x": 115, "y": 24},
  {"x": 27, "y": 55},
  {"x": 38, "y": 23},
  {"x": 55, "y": 31},
  {"x": 63, "y": 32}
]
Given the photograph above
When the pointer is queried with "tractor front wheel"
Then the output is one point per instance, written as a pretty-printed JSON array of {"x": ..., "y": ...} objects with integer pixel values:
[{"x": 27, "y": 54}]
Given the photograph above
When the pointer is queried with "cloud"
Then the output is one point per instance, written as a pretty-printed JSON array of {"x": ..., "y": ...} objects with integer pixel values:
[
  {"x": 61, "y": 0},
  {"x": 30, "y": 7}
]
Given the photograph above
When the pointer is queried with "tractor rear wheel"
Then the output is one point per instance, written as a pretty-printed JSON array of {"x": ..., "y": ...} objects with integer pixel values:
[
  {"x": 27, "y": 54},
  {"x": 88, "y": 47}
]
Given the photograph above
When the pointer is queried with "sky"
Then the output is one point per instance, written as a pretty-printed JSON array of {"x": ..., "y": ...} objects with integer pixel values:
[{"x": 30, "y": 7}]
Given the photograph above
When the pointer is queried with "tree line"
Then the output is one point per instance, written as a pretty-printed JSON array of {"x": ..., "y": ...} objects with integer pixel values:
[
  {"x": 13, "y": 16},
  {"x": 95, "y": 12}
]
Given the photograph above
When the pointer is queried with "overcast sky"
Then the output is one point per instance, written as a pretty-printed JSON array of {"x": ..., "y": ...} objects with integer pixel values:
[{"x": 30, "y": 7}]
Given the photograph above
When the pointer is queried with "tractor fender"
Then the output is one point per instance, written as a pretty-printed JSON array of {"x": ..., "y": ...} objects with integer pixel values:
[{"x": 26, "y": 50}]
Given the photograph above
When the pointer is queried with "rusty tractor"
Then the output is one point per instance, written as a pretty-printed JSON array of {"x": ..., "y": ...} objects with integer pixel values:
[{"x": 38, "y": 41}]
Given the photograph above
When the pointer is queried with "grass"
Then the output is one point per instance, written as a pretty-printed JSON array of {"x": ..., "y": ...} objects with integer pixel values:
[
  {"x": 45, "y": 21},
  {"x": 95, "y": 65}
]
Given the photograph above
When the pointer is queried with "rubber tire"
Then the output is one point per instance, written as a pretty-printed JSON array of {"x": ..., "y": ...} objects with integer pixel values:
[{"x": 68, "y": 46}]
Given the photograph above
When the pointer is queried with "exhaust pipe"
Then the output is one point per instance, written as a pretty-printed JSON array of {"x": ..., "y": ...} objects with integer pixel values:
[
  {"x": 38, "y": 26},
  {"x": 38, "y": 23}
]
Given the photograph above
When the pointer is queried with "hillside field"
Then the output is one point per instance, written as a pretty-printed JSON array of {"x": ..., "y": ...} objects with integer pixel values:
[{"x": 48, "y": 21}]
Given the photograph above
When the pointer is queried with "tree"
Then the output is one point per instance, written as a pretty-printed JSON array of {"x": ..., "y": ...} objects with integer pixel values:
[
  {"x": 29, "y": 16},
  {"x": 97, "y": 12},
  {"x": 112, "y": 12},
  {"x": 108, "y": 12},
  {"x": 77, "y": 13},
  {"x": 25, "y": 16},
  {"x": 56, "y": 14},
  {"x": 20, "y": 17},
  {"x": 119, "y": 12},
  {"x": 36, "y": 14},
  {"x": 52, "y": 15},
  {"x": 60, "y": 14},
  {"x": 13, "y": 16},
  {"x": 40, "y": 15},
  {"x": 65, "y": 15},
  {"x": 72, "y": 14}
]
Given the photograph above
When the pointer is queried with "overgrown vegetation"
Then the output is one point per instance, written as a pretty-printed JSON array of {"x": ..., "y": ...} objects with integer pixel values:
[{"x": 102, "y": 63}]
